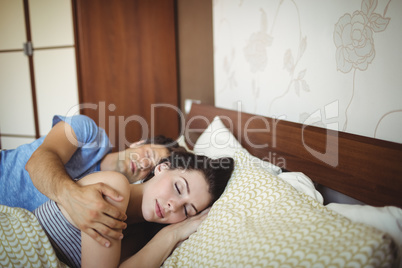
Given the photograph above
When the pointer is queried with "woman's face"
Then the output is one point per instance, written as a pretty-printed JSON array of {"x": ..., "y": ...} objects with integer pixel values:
[{"x": 173, "y": 195}]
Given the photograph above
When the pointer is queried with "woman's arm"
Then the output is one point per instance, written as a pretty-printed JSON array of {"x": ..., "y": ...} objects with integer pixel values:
[
  {"x": 154, "y": 253},
  {"x": 162, "y": 244},
  {"x": 92, "y": 253}
]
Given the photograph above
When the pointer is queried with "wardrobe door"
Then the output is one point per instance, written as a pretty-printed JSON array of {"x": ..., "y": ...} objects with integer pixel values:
[
  {"x": 17, "y": 124},
  {"x": 16, "y": 112},
  {"x": 39, "y": 81},
  {"x": 127, "y": 60},
  {"x": 54, "y": 59}
]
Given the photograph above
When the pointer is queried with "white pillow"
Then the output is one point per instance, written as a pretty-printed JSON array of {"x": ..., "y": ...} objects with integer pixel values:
[
  {"x": 303, "y": 184},
  {"x": 387, "y": 219},
  {"x": 217, "y": 141}
]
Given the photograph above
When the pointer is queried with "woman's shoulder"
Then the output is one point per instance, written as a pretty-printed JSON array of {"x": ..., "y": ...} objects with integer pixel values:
[{"x": 114, "y": 179}]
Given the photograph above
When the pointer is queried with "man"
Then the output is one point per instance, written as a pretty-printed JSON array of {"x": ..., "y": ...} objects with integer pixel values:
[{"x": 75, "y": 147}]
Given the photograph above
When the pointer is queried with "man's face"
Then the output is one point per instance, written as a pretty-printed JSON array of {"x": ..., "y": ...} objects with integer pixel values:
[{"x": 138, "y": 160}]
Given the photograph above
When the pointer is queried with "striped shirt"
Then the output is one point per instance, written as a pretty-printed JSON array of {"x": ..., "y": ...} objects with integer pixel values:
[{"x": 65, "y": 238}]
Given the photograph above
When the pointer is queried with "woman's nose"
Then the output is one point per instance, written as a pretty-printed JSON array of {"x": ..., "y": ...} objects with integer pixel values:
[
  {"x": 171, "y": 205},
  {"x": 174, "y": 204}
]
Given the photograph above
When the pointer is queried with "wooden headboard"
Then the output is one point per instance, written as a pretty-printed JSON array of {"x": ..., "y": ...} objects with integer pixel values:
[{"x": 367, "y": 169}]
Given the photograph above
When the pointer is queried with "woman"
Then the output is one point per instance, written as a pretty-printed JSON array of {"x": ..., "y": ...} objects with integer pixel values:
[{"x": 180, "y": 188}]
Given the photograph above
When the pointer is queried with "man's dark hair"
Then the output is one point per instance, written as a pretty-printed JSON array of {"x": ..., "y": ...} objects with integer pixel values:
[{"x": 169, "y": 143}]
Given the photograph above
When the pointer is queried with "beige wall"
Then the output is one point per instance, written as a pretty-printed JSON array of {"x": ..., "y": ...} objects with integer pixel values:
[
  {"x": 195, "y": 50},
  {"x": 336, "y": 64}
]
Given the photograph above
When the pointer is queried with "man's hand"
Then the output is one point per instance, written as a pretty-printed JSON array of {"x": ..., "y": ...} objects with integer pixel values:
[
  {"x": 85, "y": 206},
  {"x": 92, "y": 214}
]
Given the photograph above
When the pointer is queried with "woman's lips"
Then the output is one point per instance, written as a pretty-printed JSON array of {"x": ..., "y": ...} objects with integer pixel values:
[{"x": 158, "y": 210}]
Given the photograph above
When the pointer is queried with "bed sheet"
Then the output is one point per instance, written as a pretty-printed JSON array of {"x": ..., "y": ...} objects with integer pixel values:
[{"x": 23, "y": 241}]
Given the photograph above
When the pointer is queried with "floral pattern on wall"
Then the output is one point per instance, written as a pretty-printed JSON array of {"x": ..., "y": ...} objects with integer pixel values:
[
  {"x": 354, "y": 40},
  {"x": 256, "y": 49},
  {"x": 334, "y": 63},
  {"x": 290, "y": 63}
]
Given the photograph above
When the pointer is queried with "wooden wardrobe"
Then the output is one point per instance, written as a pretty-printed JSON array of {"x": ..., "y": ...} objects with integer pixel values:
[{"x": 127, "y": 69}]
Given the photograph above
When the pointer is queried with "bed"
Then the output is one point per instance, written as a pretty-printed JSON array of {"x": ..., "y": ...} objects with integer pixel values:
[
  {"x": 271, "y": 214},
  {"x": 366, "y": 169}
]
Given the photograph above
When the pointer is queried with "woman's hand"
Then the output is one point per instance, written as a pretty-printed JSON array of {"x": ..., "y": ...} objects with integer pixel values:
[
  {"x": 184, "y": 229},
  {"x": 162, "y": 244}
]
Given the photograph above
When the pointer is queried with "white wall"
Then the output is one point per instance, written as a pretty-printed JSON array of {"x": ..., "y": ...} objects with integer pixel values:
[{"x": 337, "y": 64}]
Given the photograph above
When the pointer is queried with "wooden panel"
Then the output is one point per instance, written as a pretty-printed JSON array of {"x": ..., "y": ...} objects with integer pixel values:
[
  {"x": 366, "y": 169},
  {"x": 127, "y": 62},
  {"x": 195, "y": 41}
]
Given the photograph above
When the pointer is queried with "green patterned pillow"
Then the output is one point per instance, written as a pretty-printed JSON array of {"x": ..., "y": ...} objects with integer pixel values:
[
  {"x": 23, "y": 242},
  {"x": 261, "y": 220}
]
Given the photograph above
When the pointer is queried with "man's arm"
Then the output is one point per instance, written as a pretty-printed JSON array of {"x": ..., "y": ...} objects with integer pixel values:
[{"x": 85, "y": 204}]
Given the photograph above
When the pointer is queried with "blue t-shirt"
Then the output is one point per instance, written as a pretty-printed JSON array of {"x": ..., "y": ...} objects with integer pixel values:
[{"x": 16, "y": 187}]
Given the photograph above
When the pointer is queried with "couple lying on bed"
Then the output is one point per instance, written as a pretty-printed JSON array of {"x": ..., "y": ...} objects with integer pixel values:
[{"x": 180, "y": 186}]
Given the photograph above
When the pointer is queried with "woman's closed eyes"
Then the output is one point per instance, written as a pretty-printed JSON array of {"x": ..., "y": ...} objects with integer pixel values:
[{"x": 178, "y": 190}]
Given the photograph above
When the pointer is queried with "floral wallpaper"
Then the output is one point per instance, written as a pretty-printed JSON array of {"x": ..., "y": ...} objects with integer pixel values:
[{"x": 335, "y": 64}]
